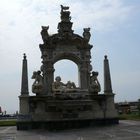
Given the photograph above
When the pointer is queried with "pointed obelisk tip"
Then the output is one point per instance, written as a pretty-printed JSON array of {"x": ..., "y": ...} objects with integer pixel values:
[
  {"x": 105, "y": 56},
  {"x": 24, "y": 55}
]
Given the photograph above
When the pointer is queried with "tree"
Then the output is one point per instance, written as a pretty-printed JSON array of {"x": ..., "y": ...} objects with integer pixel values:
[{"x": 139, "y": 106}]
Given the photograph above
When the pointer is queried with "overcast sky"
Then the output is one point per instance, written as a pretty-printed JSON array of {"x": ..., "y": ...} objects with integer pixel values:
[{"x": 115, "y": 29}]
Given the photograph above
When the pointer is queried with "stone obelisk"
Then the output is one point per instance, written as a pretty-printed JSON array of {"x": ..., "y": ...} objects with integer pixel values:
[
  {"x": 24, "y": 83},
  {"x": 24, "y": 97},
  {"x": 107, "y": 77}
]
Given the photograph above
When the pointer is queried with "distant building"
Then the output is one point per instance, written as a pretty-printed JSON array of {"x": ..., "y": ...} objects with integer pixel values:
[
  {"x": 0, "y": 110},
  {"x": 127, "y": 107}
]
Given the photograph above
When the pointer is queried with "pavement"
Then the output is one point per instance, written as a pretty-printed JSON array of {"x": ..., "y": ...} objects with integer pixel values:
[{"x": 126, "y": 130}]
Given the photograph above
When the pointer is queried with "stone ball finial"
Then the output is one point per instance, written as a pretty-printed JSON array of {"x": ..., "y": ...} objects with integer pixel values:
[
  {"x": 24, "y": 55},
  {"x": 105, "y": 56},
  {"x": 58, "y": 78}
]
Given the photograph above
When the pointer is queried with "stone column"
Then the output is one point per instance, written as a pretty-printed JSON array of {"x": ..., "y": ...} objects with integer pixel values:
[
  {"x": 83, "y": 77},
  {"x": 47, "y": 69},
  {"x": 107, "y": 77},
  {"x": 48, "y": 75},
  {"x": 50, "y": 78}
]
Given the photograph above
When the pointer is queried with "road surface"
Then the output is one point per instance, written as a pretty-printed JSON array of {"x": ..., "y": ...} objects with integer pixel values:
[{"x": 126, "y": 130}]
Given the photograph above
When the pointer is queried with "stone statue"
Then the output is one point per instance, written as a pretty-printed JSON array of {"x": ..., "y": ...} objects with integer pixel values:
[
  {"x": 63, "y": 8},
  {"x": 57, "y": 85},
  {"x": 94, "y": 83},
  {"x": 70, "y": 85},
  {"x": 44, "y": 33},
  {"x": 86, "y": 34},
  {"x": 65, "y": 15},
  {"x": 37, "y": 86}
]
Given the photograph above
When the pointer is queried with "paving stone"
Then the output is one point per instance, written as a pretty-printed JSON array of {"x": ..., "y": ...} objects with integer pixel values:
[{"x": 126, "y": 130}]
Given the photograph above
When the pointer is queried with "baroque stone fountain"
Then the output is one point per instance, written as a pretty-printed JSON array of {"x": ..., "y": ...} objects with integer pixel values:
[{"x": 57, "y": 105}]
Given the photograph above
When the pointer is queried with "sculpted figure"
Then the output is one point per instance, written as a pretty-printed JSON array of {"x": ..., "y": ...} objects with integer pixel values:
[
  {"x": 86, "y": 34},
  {"x": 44, "y": 33},
  {"x": 57, "y": 85},
  {"x": 37, "y": 86},
  {"x": 94, "y": 83},
  {"x": 70, "y": 85},
  {"x": 63, "y": 8},
  {"x": 65, "y": 15}
]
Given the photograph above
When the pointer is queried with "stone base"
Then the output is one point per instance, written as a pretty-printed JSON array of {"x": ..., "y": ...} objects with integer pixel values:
[
  {"x": 65, "y": 111},
  {"x": 69, "y": 124}
]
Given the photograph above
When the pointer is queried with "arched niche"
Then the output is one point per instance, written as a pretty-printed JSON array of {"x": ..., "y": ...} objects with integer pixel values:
[
  {"x": 67, "y": 70},
  {"x": 71, "y": 57},
  {"x": 81, "y": 57}
]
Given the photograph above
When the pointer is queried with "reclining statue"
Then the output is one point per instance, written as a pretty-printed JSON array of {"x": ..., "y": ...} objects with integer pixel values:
[{"x": 58, "y": 86}]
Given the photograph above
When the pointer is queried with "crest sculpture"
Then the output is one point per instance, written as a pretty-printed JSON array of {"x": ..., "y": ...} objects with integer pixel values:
[{"x": 58, "y": 105}]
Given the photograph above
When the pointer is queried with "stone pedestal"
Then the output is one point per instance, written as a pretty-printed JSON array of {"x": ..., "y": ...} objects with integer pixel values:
[
  {"x": 69, "y": 110},
  {"x": 24, "y": 104}
]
